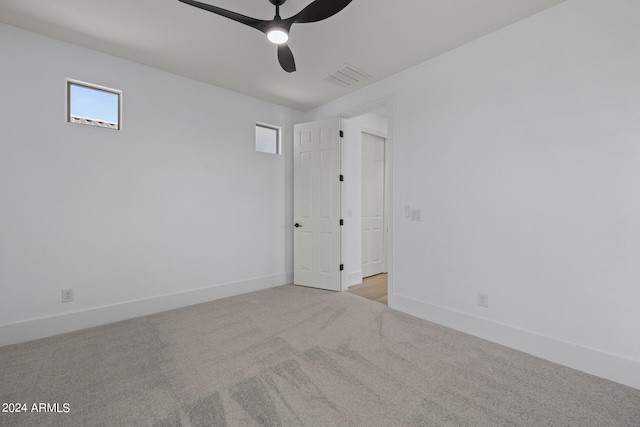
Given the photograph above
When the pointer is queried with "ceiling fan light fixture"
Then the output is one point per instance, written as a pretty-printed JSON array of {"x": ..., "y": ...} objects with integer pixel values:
[{"x": 277, "y": 36}]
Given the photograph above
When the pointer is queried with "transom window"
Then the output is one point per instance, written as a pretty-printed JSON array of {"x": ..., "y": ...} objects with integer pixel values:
[
  {"x": 93, "y": 105},
  {"x": 267, "y": 138}
]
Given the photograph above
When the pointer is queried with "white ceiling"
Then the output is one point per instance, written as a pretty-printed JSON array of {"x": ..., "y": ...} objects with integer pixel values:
[{"x": 375, "y": 36}]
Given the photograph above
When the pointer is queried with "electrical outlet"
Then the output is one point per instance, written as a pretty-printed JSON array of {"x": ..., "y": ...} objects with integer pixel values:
[
  {"x": 483, "y": 300},
  {"x": 416, "y": 215},
  {"x": 67, "y": 295}
]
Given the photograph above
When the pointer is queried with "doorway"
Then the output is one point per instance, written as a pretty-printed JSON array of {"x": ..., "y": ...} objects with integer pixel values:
[
  {"x": 367, "y": 201},
  {"x": 373, "y": 118}
]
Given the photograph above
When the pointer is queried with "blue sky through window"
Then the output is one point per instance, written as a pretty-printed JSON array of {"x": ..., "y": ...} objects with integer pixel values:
[{"x": 93, "y": 103}]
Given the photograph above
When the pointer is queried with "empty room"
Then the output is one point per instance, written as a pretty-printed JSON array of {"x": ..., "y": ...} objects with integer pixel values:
[{"x": 365, "y": 213}]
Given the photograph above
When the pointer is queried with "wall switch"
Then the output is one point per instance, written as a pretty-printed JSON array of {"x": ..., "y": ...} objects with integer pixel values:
[
  {"x": 416, "y": 215},
  {"x": 67, "y": 295},
  {"x": 407, "y": 211},
  {"x": 483, "y": 300}
]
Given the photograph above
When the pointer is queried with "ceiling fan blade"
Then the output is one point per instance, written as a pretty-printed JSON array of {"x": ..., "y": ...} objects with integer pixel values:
[
  {"x": 258, "y": 24},
  {"x": 319, "y": 10},
  {"x": 285, "y": 57}
]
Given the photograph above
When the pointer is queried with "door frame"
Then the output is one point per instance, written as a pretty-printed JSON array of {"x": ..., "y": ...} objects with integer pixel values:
[{"x": 387, "y": 103}]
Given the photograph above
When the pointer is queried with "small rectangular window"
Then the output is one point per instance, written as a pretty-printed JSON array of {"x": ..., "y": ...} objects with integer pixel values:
[
  {"x": 267, "y": 138},
  {"x": 93, "y": 105}
]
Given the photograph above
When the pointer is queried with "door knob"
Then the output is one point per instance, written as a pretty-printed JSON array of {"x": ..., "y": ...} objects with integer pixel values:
[{"x": 297, "y": 225}]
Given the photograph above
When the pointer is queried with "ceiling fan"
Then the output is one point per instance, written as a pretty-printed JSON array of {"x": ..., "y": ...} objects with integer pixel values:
[{"x": 277, "y": 30}]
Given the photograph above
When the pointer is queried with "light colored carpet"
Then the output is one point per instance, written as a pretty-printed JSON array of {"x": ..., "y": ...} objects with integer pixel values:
[{"x": 297, "y": 356}]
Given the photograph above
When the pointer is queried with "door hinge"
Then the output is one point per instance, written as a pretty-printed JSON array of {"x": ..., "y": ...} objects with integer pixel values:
[
  {"x": 341, "y": 134},
  {"x": 341, "y": 178},
  {"x": 342, "y": 222},
  {"x": 341, "y": 267}
]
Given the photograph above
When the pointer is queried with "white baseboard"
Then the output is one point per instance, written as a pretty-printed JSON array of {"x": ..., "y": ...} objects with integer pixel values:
[
  {"x": 592, "y": 361},
  {"x": 32, "y": 329},
  {"x": 354, "y": 278}
]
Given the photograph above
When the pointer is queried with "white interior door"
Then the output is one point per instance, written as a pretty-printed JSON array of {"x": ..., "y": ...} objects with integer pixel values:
[
  {"x": 316, "y": 204},
  {"x": 373, "y": 167}
]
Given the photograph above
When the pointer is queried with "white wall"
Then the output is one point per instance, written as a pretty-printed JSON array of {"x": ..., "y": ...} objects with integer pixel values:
[
  {"x": 522, "y": 150},
  {"x": 352, "y": 211},
  {"x": 175, "y": 209}
]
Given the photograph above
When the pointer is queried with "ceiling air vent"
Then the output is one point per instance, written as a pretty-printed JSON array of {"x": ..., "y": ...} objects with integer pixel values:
[{"x": 347, "y": 76}]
